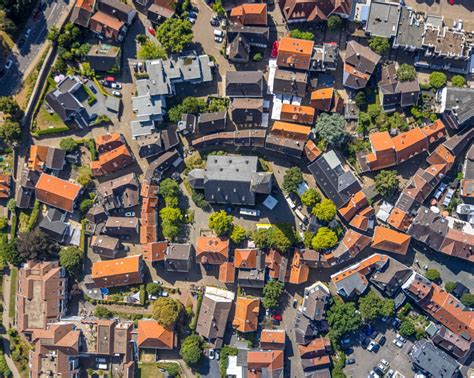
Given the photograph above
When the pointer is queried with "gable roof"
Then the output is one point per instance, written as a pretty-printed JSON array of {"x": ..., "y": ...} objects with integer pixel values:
[
  {"x": 249, "y": 14},
  {"x": 244, "y": 83},
  {"x": 151, "y": 334},
  {"x": 154, "y": 251},
  {"x": 297, "y": 113},
  {"x": 295, "y": 53},
  {"x": 227, "y": 272},
  {"x": 245, "y": 258},
  {"x": 358, "y": 201},
  {"x": 55, "y": 192},
  {"x": 299, "y": 272},
  {"x": 389, "y": 240},
  {"x": 212, "y": 250},
  {"x": 246, "y": 314}
]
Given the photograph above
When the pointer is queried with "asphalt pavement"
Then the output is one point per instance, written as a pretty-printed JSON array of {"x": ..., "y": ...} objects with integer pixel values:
[{"x": 26, "y": 57}]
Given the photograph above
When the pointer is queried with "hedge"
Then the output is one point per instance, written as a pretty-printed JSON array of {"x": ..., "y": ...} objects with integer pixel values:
[
  {"x": 14, "y": 223},
  {"x": 34, "y": 216},
  {"x": 193, "y": 323},
  {"x": 53, "y": 130}
]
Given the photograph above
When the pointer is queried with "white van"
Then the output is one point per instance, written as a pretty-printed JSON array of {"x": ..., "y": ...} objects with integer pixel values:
[{"x": 218, "y": 33}]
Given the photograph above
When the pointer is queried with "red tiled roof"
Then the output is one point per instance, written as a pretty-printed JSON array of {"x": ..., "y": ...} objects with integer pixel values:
[
  {"x": 55, "y": 192},
  {"x": 390, "y": 240}
]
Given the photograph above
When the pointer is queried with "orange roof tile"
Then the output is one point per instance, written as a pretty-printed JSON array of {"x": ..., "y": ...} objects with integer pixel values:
[
  {"x": 246, "y": 314},
  {"x": 435, "y": 131},
  {"x": 272, "y": 360},
  {"x": 273, "y": 262},
  {"x": 322, "y": 94},
  {"x": 355, "y": 242},
  {"x": 212, "y": 250},
  {"x": 152, "y": 334},
  {"x": 154, "y": 251},
  {"x": 273, "y": 336},
  {"x": 317, "y": 347},
  {"x": 297, "y": 113},
  {"x": 360, "y": 222},
  {"x": 107, "y": 20},
  {"x": 414, "y": 140},
  {"x": 37, "y": 157},
  {"x": 112, "y": 161},
  {"x": 390, "y": 240},
  {"x": 227, "y": 272},
  {"x": 294, "y": 53},
  {"x": 107, "y": 268},
  {"x": 311, "y": 151},
  {"x": 299, "y": 271},
  {"x": 291, "y": 128},
  {"x": 399, "y": 219},
  {"x": 107, "y": 138},
  {"x": 55, "y": 192},
  {"x": 381, "y": 141},
  {"x": 85, "y": 4},
  {"x": 361, "y": 267},
  {"x": 245, "y": 258},
  {"x": 249, "y": 14},
  {"x": 367, "y": 211},
  {"x": 357, "y": 201},
  {"x": 441, "y": 155}
]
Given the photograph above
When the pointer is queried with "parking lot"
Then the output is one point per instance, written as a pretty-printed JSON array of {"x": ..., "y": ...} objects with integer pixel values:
[{"x": 365, "y": 361}]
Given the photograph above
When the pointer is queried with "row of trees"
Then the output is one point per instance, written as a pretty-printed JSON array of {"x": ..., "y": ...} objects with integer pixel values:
[
  {"x": 172, "y": 218},
  {"x": 10, "y": 131}
]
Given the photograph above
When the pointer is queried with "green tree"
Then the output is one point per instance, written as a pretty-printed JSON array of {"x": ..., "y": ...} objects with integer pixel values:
[
  {"x": 141, "y": 39},
  {"x": 35, "y": 245},
  {"x": 220, "y": 222},
  {"x": 406, "y": 72},
  {"x": 9, "y": 106},
  {"x": 458, "y": 81},
  {"x": 6, "y": 25},
  {"x": 361, "y": 99},
  {"x": 53, "y": 33},
  {"x": 379, "y": 45},
  {"x": 11, "y": 205},
  {"x": 218, "y": 8},
  {"x": 325, "y": 238},
  {"x": 10, "y": 132},
  {"x": 191, "y": 105},
  {"x": 153, "y": 288},
  {"x": 84, "y": 175},
  {"x": 171, "y": 221},
  {"x": 343, "y": 318},
  {"x": 272, "y": 293},
  {"x": 308, "y": 239},
  {"x": 85, "y": 205},
  {"x": 191, "y": 349},
  {"x": 281, "y": 237},
  {"x": 467, "y": 299},
  {"x": 166, "y": 311},
  {"x": 169, "y": 188},
  {"x": 9, "y": 252},
  {"x": 68, "y": 144},
  {"x": 325, "y": 210},
  {"x": 175, "y": 34},
  {"x": 438, "y": 80},
  {"x": 151, "y": 50},
  {"x": 433, "y": 275},
  {"x": 261, "y": 238},
  {"x": 334, "y": 22},
  {"x": 450, "y": 286},
  {"x": 372, "y": 306},
  {"x": 332, "y": 128},
  {"x": 292, "y": 179},
  {"x": 387, "y": 183},
  {"x": 238, "y": 234},
  {"x": 301, "y": 34},
  {"x": 311, "y": 197},
  {"x": 407, "y": 328},
  {"x": 3, "y": 223},
  {"x": 102, "y": 312},
  {"x": 71, "y": 258},
  {"x": 86, "y": 69}
]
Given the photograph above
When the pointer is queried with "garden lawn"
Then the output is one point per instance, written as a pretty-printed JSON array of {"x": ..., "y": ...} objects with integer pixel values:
[
  {"x": 12, "y": 304},
  {"x": 45, "y": 120},
  {"x": 146, "y": 370}
]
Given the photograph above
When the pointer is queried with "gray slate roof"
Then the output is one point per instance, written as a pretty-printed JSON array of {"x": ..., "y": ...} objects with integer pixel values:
[
  {"x": 433, "y": 360},
  {"x": 383, "y": 19},
  {"x": 244, "y": 84}
]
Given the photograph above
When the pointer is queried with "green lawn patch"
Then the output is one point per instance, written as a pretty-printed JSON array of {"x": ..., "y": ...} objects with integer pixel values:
[
  {"x": 92, "y": 99},
  {"x": 146, "y": 370},
  {"x": 13, "y": 279},
  {"x": 47, "y": 123}
]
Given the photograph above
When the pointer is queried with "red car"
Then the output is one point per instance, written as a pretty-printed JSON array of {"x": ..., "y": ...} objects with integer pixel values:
[
  {"x": 152, "y": 31},
  {"x": 110, "y": 79},
  {"x": 277, "y": 317},
  {"x": 275, "y": 49},
  {"x": 451, "y": 2}
]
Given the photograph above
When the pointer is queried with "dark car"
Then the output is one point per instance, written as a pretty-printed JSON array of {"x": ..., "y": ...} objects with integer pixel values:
[
  {"x": 382, "y": 340},
  {"x": 214, "y": 22},
  {"x": 374, "y": 335},
  {"x": 21, "y": 43},
  {"x": 365, "y": 342},
  {"x": 350, "y": 361}
]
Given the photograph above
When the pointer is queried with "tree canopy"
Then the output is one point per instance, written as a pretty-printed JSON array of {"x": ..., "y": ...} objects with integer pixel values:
[
  {"x": 10, "y": 131},
  {"x": 331, "y": 128},
  {"x": 343, "y": 318},
  {"x": 458, "y": 81},
  {"x": 361, "y": 99},
  {"x": 166, "y": 311},
  {"x": 238, "y": 234},
  {"x": 68, "y": 144},
  {"x": 433, "y": 275},
  {"x": 35, "y": 245},
  {"x": 387, "y": 183},
  {"x": 292, "y": 179},
  {"x": 191, "y": 349},
  {"x": 325, "y": 238},
  {"x": 301, "y": 34},
  {"x": 169, "y": 188},
  {"x": 372, "y": 306},
  {"x": 280, "y": 237},
  {"x": 151, "y": 50},
  {"x": 271, "y": 294},
  {"x": 406, "y": 72},
  {"x": 438, "y": 79},
  {"x": 407, "y": 328},
  {"x": 334, "y": 22},
  {"x": 171, "y": 221},
  {"x": 102, "y": 312},
  {"x": 70, "y": 258},
  {"x": 175, "y": 34},
  {"x": 325, "y": 210},
  {"x": 220, "y": 222},
  {"x": 450, "y": 286},
  {"x": 190, "y": 105},
  {"x": 311, "y": 197},
  {"x": 379, "y": 45},
  {"x": 467, "y": 299}
]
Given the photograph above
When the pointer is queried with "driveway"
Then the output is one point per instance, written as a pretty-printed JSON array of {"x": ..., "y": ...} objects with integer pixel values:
[{"x": 27, "y": 57}]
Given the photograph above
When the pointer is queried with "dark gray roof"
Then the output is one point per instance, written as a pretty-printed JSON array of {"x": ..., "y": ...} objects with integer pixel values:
[
  {"x": 107, "y": 245},
  {"x": 404, "y": 93},
  {"x": 55, "y": 158},
  {"x": 336, "y": 183},
  {"x": 391, "y": 276},
  {"x": 461, "y": 102},
  {"x": 284, "y": 145},
  {"x": 104, "y": 57},
  {"x": 177, "y": 251},
  {"x": 251, "y": 278},
  {"x": 188, "y": 123},
  {"x": 212, "y": 122},
  {"x": 429, "y": 228},
  {"x": 121, "y": 192},
  {"x": 54, "y": 226},
  {"x": 383, "y": 19},
  {"x": 314, "y": 302},
  {"x": 212, "y": 318},
  {"x": 261, "y": 182},
  {"x": 410, "y": 29},
  {"x": 457, "y": 143},
  {"x": 254, "y": 35},
  {"x": 238, "y": 48},
  {"x": 196, "y": 178},
  {"x": 150, "y": 145},
  {"x": 170, "y": 137},
  {"x": 244, "y": 84},
  {"x": 289, "y": 82},
  {"x": 81, "y": 16},
  {"x": 247, "y": 110},
  {"x": 361, "y": 57},
  {"x": 25, "y": 198},
  {"x": 433, "y": 360},
  {"x": 305, "y": 329},
  {"x": 116, "y": 9},
  {"x": 29, "y": 178},
  {"x": 159, "y": 166}
]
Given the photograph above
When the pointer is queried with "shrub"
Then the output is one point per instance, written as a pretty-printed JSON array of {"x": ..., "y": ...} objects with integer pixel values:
[
  {"x": 433, "y": 275},
  {"x": 257, "y": 57},
  {"x": 438, "y": 80},
  {"x": 68, "y": 144},
  {"x": 102, "y": 312},
  {"x": 334, "y": 22},
  {"x": 458, "y": 81},
  {"x": 301, "y": 34}
]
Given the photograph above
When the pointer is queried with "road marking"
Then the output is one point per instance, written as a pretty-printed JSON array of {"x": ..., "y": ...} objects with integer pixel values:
[{"x": 52, "y": 12}]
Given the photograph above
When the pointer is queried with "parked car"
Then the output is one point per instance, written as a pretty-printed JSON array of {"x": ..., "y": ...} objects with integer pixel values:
[
  {"x": 152, "y": 31},
  {"x": 374, "y": 335},
  {"x": 116, "y": 94},
  {"x": 224, "y": 22},
  {"x": 212, "y": 354},
  {"x": 365, "y": 342},
  {"x": 401, "y": 338},
  {"x": 277, "y": 317},
  {"x": 396, "y": 323},
  {"x": 214, "y": 22},
  {"x": 397, "y": 343},
  {"x": 295, "y": 303},
  {"x": 191, "y": 20},
  {"x": 350, "y": 361},
  {"x": 116, "y": 85},
  {"x": 27, "y": 33},
  {"x": 382, "y": 341},
  {"x": 110, "y": 79},
  {"x": 164, "y": 294},
  {"x": 274, "y": 53},
  {"x": 345, "y": 343},
  {"x": 129, "y": 213},
  {"x": 373, "y": 347},
  {"x": 8, "y": 64},
  {"x": 218, "y": 355},
  {"x": 384, "y": 362},
  {"x": 390, "y": 373},
  {"x": 218, "y": 39}
]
